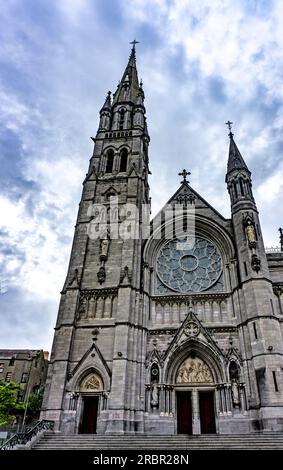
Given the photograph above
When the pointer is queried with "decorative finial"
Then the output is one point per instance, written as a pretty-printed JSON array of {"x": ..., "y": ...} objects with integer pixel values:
[
  {"x": 229, "y": 124},
  {"x": 184, "y": 173},
  {"x": 134, "y": 42}
]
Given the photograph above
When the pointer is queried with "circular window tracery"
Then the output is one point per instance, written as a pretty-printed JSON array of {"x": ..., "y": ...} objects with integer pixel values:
[{"x": 185, "y": 269}]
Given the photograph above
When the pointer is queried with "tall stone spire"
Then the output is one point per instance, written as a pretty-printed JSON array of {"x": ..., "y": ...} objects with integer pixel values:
[
  {"x": 105, "y": 113},
  {"x": 238, "y": 177},
  {"x": 235, "y": 159},
  {"x": 128, "y": 88},
  {"x": 107, "y": 103}
]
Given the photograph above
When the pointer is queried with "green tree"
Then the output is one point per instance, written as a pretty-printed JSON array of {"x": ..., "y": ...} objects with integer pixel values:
[
  {"x": 34, "y": 403},
  {"x": 9, "y": 405}
]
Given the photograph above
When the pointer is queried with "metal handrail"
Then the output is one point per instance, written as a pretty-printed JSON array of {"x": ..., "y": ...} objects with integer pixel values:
[{"x": 21, "y": 438}]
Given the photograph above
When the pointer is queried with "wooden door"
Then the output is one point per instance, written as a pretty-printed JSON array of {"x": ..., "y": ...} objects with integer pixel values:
[
  {"x": 206, "y": 411},
  {"x": 89, "y": 415},
  {"x": 184, "y": 412}
]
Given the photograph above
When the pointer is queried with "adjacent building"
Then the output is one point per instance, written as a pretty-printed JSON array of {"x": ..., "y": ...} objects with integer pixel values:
[{"x": 25, "y": 367}]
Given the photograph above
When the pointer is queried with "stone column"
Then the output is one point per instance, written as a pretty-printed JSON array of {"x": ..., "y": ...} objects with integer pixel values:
[{"x": 195, "y": 412}]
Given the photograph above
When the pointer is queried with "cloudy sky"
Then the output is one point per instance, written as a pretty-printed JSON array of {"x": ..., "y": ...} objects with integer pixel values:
[{"x": 202, "y": 63}]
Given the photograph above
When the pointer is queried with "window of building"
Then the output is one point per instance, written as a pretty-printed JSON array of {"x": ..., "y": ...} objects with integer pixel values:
[
  {"x": 275, "y": 381},
  {"x": 12, "y": 361},
  {"x": 235, "y": 189},
  {"x": 241, "y": 187},
  {"x": 109, "y": 161},
  {"x": 123, "y": 160},
  {"x": 24, "y": 377},
  {"x": 8, "y": 376},
  {"x": 1, "y": 367},
  {"x": 122, "y": 119},
  {"x": 20, "y": 396}
]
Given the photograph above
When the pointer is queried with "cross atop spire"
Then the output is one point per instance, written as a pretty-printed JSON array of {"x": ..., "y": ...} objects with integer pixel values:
[
  {"x": 184, "y": 173},
  {"x": 229, "y": 125},
  {"x": 134, "y": 42}
]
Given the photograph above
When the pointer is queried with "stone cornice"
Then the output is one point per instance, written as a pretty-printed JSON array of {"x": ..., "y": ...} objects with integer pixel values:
[{"x": 190, "y": 298}]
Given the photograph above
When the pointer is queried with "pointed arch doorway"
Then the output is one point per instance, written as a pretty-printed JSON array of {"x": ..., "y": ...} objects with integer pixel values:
[
  {"x": 89, "y": 419},
  {"x": 90, "y": 389},
  {"x": 195, "y": 398}
]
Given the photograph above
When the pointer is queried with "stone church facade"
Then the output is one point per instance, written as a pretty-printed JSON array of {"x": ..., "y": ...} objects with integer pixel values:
[{"x": 178, "y": 331}]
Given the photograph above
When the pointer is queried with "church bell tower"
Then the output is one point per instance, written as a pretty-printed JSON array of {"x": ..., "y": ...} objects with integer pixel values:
[
  {"x": 99, "y": 344},
  {"x": 258, "y": 323}
]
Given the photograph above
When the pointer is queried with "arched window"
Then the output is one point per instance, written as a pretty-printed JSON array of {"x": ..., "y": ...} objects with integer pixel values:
[
  {"x": 241, "y": 187},
  {"x": 233, "y": 371},
  {"x": 122, "y": 119},
  {"x": 154, "y": 373},
  {"x": 123, "y": 160},
  {"x": 109, "y": 161},
  {"x": 235, "y": 189}
]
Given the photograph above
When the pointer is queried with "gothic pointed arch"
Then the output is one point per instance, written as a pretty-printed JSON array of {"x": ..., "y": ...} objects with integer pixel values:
[
  {"x": 203, "y": 358},
  {"x": 123, "y": 160},
  {"x": 109, "y": 164},
  {"x": 92, "y": 361}
]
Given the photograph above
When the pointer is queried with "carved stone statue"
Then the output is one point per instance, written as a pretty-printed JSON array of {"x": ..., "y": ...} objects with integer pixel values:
[
  {"x": 154, "y": 396},
  {"x": 250, "y": 231},
  {"x": 104, "y": 247},
  {"x": 235, "y": 393},
  {"x": 91, "y": 382},
  {"x": 194, "y": 370}
]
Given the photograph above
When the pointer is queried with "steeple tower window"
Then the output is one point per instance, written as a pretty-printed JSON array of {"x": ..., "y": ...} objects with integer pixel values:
[
  {"x": 241, "y": 187},
  {"x": 236, "y": 190},
  {"x": 123, "y": 160},
  {"x": 122, "y": 119},
  {"x": 109, "y": 161}
]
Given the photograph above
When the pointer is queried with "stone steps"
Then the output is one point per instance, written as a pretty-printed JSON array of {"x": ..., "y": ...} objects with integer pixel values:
[{"x": 58, "y": 441}]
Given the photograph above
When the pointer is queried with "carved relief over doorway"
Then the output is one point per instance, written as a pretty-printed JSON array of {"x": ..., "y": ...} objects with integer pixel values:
[
  {"x": 194, "y": 370},
  {"x": 91, "y": 383}
]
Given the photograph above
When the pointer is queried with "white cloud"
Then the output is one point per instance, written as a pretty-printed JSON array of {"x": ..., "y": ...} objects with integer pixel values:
[{"x": 66, "y": 78}]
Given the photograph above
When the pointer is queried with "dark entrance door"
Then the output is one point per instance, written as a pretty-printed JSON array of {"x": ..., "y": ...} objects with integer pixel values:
[
  {"x": 184, "y": 412},
  {"x": 89, "y": 415},
  {"x": 206, "y": 411}
]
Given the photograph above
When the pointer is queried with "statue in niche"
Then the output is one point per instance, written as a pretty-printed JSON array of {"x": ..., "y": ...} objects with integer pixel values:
[
  {"x": 235, "y": 393},
  {"x": 154, "y": 396},
  {"x": 104, "y": 247},
  {"x": 194, "y": 370},
  {"x": 250, "y": 232}
]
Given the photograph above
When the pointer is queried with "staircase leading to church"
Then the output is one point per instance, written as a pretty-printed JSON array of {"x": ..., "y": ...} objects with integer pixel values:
[{"x": 53, "y": 441}]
